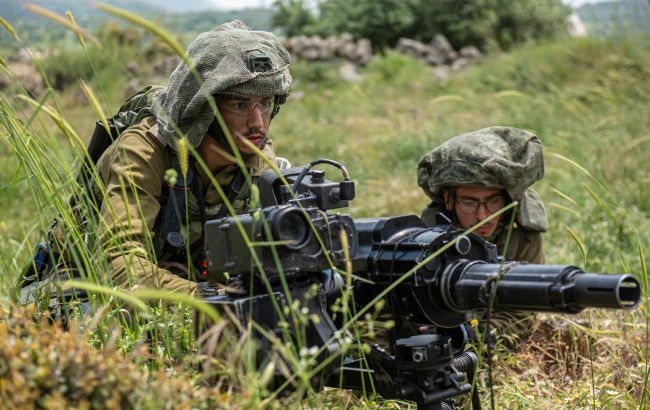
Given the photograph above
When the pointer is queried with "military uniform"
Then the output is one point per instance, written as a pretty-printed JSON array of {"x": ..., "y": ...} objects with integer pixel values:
[
  {"x": 230, "y": 59},
  {"x": 221, "y": 61},
  {"x": 132, "y": 170}
]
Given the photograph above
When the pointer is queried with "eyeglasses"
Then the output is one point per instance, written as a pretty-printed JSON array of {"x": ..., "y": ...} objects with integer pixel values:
[
  {"x": 470, "y": 205},
  {"x": 242, "y": 105}
]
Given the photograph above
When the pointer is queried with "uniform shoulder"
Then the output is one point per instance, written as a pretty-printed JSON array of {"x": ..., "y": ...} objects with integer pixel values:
[{"x": 138, "y": 143}]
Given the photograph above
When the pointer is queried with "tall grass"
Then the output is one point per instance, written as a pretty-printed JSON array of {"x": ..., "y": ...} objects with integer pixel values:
[{"x": 587, "y": 100}]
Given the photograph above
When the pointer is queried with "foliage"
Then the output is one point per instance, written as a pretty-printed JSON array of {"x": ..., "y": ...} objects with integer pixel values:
[
  {"x": 43, "y": 366},
  {"x": 381, "y": 21},
  {"x": 487, "y": 24},
  {"x": 507, "y": 24},
  {"x": 70, "y": 66},
  {"x": 292, "y": 16},
  {"x": 191, "y": 24}
]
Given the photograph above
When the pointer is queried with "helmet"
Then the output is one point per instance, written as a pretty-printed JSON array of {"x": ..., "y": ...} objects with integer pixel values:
[
  {"x": 230, "y": 58},
  {"x": 495, "y": 157}
]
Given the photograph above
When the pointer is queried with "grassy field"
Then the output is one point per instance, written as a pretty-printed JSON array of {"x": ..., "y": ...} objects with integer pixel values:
[{"x": 587, "y": 99}]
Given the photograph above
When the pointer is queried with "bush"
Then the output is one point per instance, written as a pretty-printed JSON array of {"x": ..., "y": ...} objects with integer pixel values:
[
  {"x": 486, "y": 24},
  {"x": 41, "y": 366}
]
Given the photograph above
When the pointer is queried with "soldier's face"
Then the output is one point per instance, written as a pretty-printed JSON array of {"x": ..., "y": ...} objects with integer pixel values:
[
  {"x": 248, "y": 119},
  {"x": 472, "y": 204}
]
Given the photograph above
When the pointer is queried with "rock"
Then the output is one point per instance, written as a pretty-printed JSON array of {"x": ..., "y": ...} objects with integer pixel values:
[{"x": 22, "y": 77}]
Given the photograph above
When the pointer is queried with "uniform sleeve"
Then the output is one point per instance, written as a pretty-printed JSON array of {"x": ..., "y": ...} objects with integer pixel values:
[{"x": 132, "y": 171}]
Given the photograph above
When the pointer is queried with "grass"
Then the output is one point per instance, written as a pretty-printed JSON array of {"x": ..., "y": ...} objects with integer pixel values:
[{"x": 585, "y": 98}]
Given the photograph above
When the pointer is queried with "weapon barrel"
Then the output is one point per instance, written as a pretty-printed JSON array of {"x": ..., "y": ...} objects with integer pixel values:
[
  {"x": 555, "y": 288},
  {"x": 466, "y": 275},
  {"x": 607, "y": 291}
]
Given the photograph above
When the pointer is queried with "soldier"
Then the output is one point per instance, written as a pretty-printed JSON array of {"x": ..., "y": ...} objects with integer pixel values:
[
  {"x": 151, "y": 232},
  {"x": 473, "y": 175},
  {"x": 247, "y": 74}
]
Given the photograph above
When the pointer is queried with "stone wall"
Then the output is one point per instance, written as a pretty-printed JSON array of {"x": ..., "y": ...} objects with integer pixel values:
[
  {"x": 438, "y": 52},
  {"x": 316, "y": 48}
]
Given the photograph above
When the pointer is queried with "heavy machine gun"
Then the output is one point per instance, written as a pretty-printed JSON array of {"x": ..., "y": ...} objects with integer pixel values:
[{"x": 293, "y": 249}]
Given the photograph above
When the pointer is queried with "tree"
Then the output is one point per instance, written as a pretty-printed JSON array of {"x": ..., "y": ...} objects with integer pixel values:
[
  {"x": 518, "y": 22},
  {"x": 383, "y": 22},
  {"x": 486, "y": 24},
  {"x": 292, "y": 15}
]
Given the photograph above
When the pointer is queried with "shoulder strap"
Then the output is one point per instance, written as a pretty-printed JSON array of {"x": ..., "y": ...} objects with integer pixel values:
[
  {"x": 133, "y": 110},
  {"x": 175, "y": 213},
  {"x": 234, "y": 189}
]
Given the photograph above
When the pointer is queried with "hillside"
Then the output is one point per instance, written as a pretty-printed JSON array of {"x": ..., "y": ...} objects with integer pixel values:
[
  {"x": 83, "y": 10},
  {"x": 186, "y": 18},
  {"x": 615, "y": 17}
]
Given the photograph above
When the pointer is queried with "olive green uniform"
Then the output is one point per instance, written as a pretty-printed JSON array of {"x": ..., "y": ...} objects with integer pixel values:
[
  {"x": 222, "y": 60},
  {"x": 524, "y": 245},
  {"x": 132, "y": 170},
  {"x": 228, "y": 59}
]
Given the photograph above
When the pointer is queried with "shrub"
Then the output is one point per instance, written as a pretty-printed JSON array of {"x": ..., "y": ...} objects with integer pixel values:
[{"x": 42, "y": 366}]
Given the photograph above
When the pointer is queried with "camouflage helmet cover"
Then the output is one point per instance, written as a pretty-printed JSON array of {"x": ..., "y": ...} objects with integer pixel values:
[
  {"x": 219, "y": 63},
  {"x": 494, "y": 157}
]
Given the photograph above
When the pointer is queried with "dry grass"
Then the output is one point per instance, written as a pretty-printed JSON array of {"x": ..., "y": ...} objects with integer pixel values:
[{"x": 596, "y": 359}]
